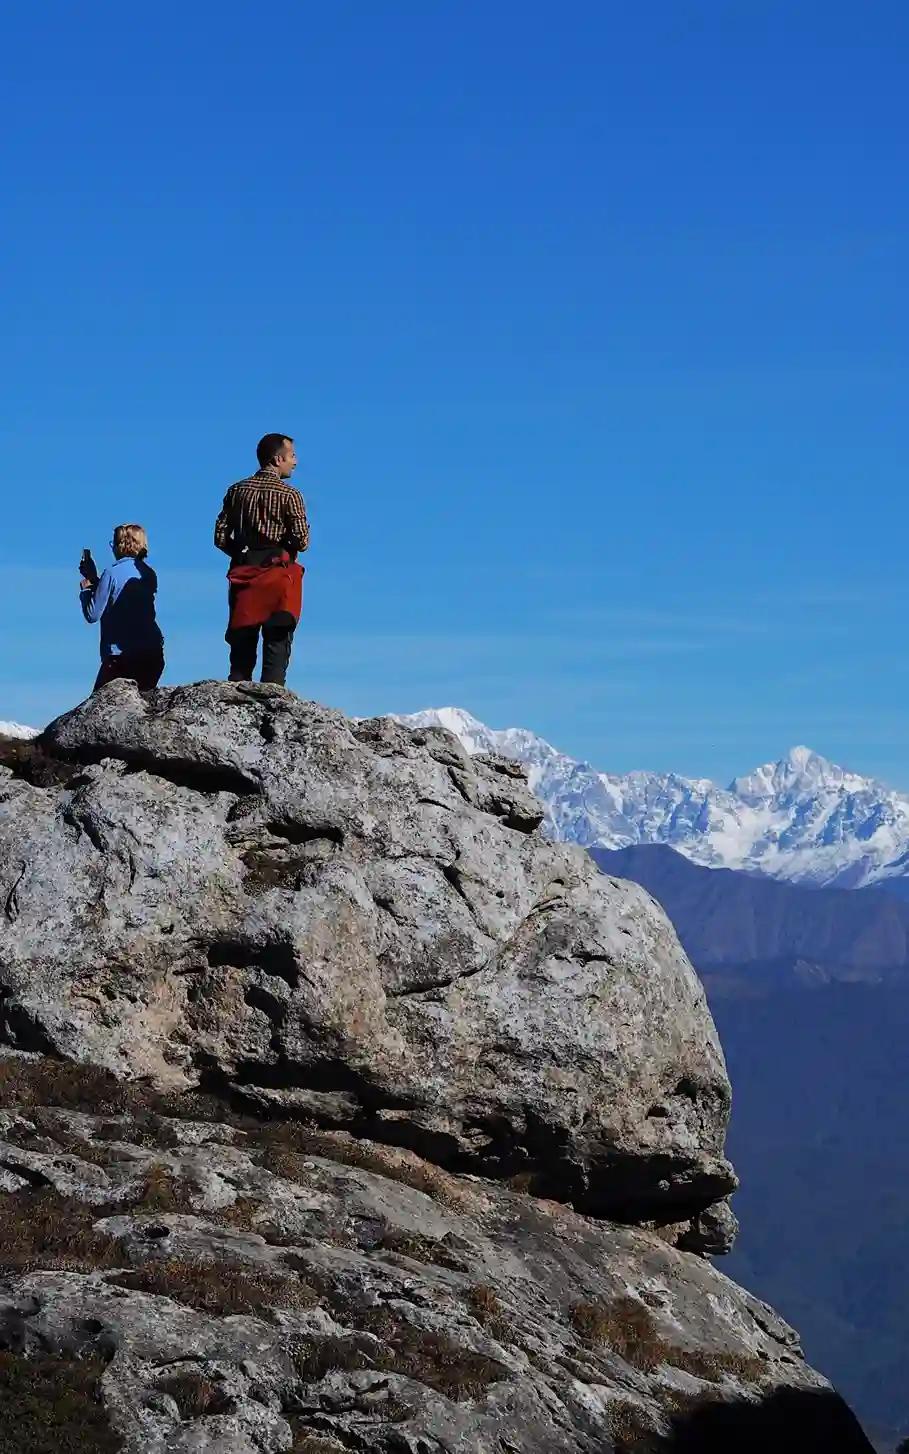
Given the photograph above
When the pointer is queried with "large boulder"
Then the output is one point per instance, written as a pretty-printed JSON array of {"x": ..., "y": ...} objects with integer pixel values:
[{"x": 357, "y": 923}]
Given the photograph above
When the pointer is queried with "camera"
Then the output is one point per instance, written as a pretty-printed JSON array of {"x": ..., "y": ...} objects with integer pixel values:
[{"x": 87, "y": 567}]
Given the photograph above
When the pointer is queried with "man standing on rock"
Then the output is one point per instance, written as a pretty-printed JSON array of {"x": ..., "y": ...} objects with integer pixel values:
[{"x": 262, "y": 527}]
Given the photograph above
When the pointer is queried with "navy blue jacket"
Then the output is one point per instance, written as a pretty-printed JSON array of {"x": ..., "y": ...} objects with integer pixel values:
[{"x": 124, "y": 602}]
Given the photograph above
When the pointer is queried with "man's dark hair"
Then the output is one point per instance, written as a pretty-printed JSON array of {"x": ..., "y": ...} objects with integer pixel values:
[{"x": 269, "y": 447}]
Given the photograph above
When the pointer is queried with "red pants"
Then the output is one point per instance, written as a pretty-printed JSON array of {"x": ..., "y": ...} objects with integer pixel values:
[{"x": 145, "y": 668}]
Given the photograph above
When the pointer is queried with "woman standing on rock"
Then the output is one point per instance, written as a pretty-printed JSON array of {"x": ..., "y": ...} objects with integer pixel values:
[{"x": 123, "y": 600}]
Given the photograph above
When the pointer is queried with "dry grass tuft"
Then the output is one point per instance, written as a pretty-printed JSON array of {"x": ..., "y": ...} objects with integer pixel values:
[
  {"x": 680, "y": 1401},
  {"x": 269, "y": 868},
  {"x": 43, "y": 1230},
  {"x": 632, "y": 1428},
  {"x": 421, "y": 1249},
  {"x": 241, "y": 1216},
  {"x": 526, "y": 1181},
  {"x": 218, "y": 1289},
  {"x": 53, "y": 1406},
  {"x": 27, "y": 759},
  {"x": 313, "y": 1361},
  {"x": 195, "y": 1396},
  {"x": 161, "y": 1191},
  {"x": 714, "y": 1366},
  {"x": 281, "y": 1161},
  {"x": 430, "y": 1358},
  {"x": 27, "y": 1081},
  {"x": 46, "y": 1082},
  {"x": 306, "y": 1442},
  {"x": 625, "y": 1325},
  {"x": 144, "y": 1128},
  {"x": 392, "y": 1162},
  {"x": 483, "y": 1303},
  {"x": 434, "y": 1360}
]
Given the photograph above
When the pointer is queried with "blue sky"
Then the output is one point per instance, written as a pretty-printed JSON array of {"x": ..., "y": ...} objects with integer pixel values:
[{"x": 590, "y": 321}]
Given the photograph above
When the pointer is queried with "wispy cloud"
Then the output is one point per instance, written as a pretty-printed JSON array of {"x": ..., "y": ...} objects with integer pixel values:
[
  {"x": 709, "y": 622},
  {"x": 761, "y": 619}
]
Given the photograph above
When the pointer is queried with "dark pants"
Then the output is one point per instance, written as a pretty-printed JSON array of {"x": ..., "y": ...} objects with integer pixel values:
[
  {"x": 276, "y": 644},
  {"x": 145, "y": 668}
]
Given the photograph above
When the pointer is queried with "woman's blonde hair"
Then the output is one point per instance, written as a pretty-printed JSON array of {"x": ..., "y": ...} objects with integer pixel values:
[{"x": 129, "y": 540}]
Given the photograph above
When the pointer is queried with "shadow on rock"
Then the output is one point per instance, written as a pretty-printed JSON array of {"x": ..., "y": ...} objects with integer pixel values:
[{"x": 790, "y": 1421}]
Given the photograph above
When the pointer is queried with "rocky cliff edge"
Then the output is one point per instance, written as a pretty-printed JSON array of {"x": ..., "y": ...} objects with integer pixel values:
[{"x": 328, "y": 1080}]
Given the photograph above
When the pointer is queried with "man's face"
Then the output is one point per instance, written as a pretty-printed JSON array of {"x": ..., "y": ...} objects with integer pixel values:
[{"x": 286, "y": 461}]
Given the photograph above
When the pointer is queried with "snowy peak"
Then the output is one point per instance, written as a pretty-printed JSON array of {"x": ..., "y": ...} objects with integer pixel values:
[
  {"x": 800, "y": 771},
  {"x": 16, "y": 729},
  {"x": 475, "y": 736},
  {"x": 802, "y": 818},
  {"x": 469, "y": 731},
  {"x": 454, "y": 719}
]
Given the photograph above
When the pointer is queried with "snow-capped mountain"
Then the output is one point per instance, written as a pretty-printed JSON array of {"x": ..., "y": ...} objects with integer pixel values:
[
  {"x": 802, "y": 818},
  {"x": 16, "y": 729}
]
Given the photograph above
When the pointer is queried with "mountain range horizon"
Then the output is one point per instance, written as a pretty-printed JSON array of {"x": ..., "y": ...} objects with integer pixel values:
[
  {"x": 802, "y": 818},
  {"x": 799, "y": 757}
]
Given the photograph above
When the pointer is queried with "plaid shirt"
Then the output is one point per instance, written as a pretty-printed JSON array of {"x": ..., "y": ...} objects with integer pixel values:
[{"x": 263, "y": 510}]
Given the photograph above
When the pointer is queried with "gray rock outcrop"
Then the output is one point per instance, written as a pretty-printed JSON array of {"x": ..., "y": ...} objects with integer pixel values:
[
  {"x": 340, "y": 1110},
  {"x": 359, "y": 922}
]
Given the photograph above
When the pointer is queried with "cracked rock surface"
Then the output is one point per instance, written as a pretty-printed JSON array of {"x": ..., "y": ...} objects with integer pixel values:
[
  {"x": 253, "y": 1288},
  {"x": 339, "y": 1110},
  {"x": 357, "y": 922}
]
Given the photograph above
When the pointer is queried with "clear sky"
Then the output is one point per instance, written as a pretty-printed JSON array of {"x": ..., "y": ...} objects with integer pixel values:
[{"x": 590, "y": 320}]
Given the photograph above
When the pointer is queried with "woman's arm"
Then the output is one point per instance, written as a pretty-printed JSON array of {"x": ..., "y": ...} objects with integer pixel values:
[{"x": 94, "y": 600}]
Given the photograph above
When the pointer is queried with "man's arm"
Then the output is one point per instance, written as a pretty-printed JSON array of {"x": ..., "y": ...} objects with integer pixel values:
[
  {"x": 295, "y": 522},
  {"x": 224, "y": 534}
]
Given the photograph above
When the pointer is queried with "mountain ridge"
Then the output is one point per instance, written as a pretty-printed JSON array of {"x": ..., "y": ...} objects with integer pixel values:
[
  {"x": 803, "y": 818},
  {"x": 18, "y": 730},
  {"x": 746, "y": 932}
]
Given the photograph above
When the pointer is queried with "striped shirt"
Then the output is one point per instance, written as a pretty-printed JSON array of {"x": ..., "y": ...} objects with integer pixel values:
[{"x": 261, "y": 511}]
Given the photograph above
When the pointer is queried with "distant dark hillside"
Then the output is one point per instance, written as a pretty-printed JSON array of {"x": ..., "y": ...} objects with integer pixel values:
[
  {"x": 820, "y": 1138},
  {"x": 819, "y": 1135},
  {"x": 769, "y": 934},
  {"x": 897, "y": 886}
]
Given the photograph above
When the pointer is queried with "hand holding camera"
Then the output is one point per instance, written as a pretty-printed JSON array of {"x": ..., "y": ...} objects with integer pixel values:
[{"x": 88, "y": 570}]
